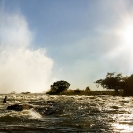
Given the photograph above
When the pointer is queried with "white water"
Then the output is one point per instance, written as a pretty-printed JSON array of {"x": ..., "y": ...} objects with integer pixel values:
[{"x": 69, "y": 114}]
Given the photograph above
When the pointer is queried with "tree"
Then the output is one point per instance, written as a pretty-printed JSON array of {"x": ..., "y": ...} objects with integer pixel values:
[
  {"x": 58, "y": 87},
  {"x": 128, "y": 90},
  {"x": 117, "y": 82},
  {"x": 87, "y": 89},
  {"x": 112, "y": 81}
]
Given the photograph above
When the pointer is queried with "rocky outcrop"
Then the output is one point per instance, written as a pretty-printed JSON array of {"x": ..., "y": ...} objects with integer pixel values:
[{"x": 19, "y": 107}]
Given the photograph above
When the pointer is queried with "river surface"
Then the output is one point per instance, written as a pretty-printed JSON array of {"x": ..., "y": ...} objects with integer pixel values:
[{"x": 65, "y": 114}]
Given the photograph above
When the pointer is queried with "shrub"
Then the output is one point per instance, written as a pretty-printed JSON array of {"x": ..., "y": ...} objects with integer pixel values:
[{"x": 77, "y": 91}]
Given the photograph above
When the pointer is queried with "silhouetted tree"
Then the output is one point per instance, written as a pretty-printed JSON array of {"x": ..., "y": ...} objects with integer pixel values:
[
  {"x": 112, "y": 81},
  {"x": 58, "y": 87},
  {"x": 128, "y": 90},
  {"x": 87, "y": 89}
]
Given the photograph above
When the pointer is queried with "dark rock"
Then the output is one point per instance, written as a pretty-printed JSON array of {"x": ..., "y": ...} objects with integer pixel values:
[
  {"x": 19, "y": 107},
  {"x": 5, "y": 99},
  {"x": 49, "y": 111},
  {"x": 52, "y": 111}
]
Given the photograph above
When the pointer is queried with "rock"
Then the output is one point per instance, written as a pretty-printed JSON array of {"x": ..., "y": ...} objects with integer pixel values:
[
  {"x": 5, "y": 99},
  {"x": 49, "y": 111},
  {"x": 19, "y": 107}
]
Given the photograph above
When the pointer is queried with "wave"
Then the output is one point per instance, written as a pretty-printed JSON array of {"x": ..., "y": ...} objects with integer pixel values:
[{"x": 19, "y": 116}]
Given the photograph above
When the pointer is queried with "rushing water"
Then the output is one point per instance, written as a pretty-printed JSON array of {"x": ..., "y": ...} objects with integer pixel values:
[{"x": 92, "y": 114}]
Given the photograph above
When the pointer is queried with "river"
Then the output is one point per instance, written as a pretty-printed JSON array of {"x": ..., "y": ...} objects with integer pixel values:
[{"x": 63, "y": 114}]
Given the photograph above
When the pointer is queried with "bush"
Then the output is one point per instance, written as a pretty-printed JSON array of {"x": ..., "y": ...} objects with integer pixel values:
[{"x": 77, "y": 91}]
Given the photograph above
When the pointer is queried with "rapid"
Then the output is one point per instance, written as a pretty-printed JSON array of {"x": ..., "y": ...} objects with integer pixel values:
[{"x": 92, "y": 114}]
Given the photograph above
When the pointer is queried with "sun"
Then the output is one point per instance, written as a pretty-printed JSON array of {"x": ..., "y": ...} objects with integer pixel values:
[
  {"x": 128, "y": 34},
  {"x": 124, "y": 45}
]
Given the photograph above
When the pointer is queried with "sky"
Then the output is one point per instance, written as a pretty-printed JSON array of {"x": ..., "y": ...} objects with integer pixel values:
[{"x": 79, "y": 41}]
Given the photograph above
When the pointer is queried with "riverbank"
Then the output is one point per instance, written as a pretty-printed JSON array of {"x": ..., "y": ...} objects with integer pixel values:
[{"x": 90, "y": 93}]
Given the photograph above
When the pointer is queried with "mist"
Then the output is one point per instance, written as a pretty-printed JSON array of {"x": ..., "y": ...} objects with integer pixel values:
[{"x": 21, "y": 67}]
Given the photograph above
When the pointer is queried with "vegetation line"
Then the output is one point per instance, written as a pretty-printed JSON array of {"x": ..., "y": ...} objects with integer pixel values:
[{"x": 122, "y": 86}]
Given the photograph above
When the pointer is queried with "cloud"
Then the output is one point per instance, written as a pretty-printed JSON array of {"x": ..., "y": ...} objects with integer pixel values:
[{"x": 21, "y": 68}]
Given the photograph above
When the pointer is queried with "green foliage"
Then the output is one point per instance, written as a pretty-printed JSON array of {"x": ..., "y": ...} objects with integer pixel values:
[{"x": 59, "y": 87}]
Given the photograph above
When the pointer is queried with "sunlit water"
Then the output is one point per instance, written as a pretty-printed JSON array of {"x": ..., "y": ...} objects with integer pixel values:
[{"x": 93, "y": 114}]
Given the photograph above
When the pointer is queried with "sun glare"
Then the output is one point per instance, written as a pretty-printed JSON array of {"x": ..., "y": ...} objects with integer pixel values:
[
  {"x": 124, "y": 32},
  {"x": 128, "y": 34}
]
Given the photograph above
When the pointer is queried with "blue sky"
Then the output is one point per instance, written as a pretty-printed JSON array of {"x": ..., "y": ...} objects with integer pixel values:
[{"x": 82, "y": 39}]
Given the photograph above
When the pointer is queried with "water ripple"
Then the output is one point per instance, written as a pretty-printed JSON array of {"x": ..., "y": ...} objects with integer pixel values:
[{"x": 105, "y": 114}]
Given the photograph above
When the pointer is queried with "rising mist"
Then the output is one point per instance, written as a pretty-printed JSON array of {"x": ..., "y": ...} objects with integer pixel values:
[{"x": 21, "y": 68}]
